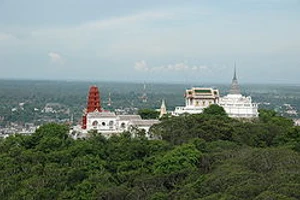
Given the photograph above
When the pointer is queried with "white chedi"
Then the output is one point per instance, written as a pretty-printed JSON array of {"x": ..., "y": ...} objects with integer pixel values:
[{"x": 236, "y": 105}]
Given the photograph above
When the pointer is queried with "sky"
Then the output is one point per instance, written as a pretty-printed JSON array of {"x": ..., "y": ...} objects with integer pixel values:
[{"x": 172, "y": 41}]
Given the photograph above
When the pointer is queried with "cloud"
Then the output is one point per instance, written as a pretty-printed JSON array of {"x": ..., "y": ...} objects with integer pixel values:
[
  {"x": 104, "y": 24},
  {"x": 107, "y": 35},
  {"x": 172, "y": 67},
  {"x": 56, "y": 58},
  {"x": 5, "y": 36},
  {"x": 201, "y": 67},
  {"x": 142, "y": 66}
]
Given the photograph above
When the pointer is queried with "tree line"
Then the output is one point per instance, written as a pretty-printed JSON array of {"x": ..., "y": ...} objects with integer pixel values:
[{"x": 205, "y": 156}]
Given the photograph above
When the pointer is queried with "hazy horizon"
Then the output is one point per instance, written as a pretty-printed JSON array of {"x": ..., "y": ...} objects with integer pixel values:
[
  {"x": 191, "y": 84},
  {"x": 159, "y": 41}
]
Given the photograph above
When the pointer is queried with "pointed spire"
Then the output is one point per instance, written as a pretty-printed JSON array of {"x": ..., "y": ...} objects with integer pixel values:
[
  {"x": 235, "y": 89},
  {"x": 163, "y": 104},
  {"x": 163, "y": 109},
  {"x": 234, "y": 75}
]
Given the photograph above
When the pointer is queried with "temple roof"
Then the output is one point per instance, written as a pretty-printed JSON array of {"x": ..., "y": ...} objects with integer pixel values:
[
  {"x": 235, "y": 88},
  {"x": 163, "y": 104}
]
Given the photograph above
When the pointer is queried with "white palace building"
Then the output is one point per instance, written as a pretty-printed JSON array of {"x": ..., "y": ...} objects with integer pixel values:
[
  {"x": 105, "y": 122},
  {"x": 197, "y": 99},
  {"x": 235, "y": 104}
]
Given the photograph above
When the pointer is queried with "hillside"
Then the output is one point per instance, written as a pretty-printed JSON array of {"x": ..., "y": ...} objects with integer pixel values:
[{"x": 206, "y": 156}]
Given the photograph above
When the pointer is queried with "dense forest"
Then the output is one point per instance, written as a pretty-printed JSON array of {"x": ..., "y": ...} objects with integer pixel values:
[{"x": 206, "y": 156}]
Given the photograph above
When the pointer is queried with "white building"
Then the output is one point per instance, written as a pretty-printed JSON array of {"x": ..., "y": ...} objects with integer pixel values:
[
  {"x": 236, "y": 105},
  {"x": 197, "y": 99},
  {"x": 105, "y": 122},
  {"x": 108, "y": 124}
]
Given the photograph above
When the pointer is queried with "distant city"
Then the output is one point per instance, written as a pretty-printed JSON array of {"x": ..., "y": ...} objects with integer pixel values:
[{"x": 25, "y": 105}]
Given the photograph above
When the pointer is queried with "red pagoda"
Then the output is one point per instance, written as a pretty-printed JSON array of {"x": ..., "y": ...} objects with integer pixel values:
[{"x": 93, "y": 104}]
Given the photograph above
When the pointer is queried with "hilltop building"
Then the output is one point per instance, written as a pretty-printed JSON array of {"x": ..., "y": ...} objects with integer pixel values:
[
  {"x": 93, "y": 106},
  {"x": 235, "y": 104},
  {"x": 197, "y": 99},
  {"x": 106, "y": 122}
]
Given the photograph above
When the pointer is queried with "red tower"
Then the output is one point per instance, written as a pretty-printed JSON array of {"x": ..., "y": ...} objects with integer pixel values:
[
  {"x": 93, "y": 100},
  {"x": 93, "y": 104}
]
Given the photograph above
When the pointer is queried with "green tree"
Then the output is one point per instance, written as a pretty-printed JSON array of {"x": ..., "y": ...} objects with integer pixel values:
[
  {"x": 199, "y": 157},
  {"x": 148, "y": 114},
  {"x": 182, "y": 157},
  {"x": 215, "y": 109}
]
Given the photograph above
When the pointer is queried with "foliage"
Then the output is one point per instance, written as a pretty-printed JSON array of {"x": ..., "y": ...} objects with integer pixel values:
[
  {"x": 148, "y": 114},
  {"x": 178, "y": 130},
  {"x": 199, "y": 157},
  {"x": 181, "y": 158},
  {"x": 215, "y": 109}
]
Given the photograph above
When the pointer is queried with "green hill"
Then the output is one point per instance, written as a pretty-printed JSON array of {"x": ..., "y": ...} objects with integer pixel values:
[{"x": 204, "y": 156}]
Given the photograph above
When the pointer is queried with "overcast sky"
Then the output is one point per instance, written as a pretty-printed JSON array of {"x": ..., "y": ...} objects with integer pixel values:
[{"x": 154, "y": 41}]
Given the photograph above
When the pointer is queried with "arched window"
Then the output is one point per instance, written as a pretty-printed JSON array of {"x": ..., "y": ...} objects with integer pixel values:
[
  {"x": 122, "y": 125},
  {"x": 103, "y": 123},
  {"x": 95, "y": 123}
]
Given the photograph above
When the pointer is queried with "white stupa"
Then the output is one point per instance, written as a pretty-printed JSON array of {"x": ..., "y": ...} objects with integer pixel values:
[{"x": 235, "y": 104}]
